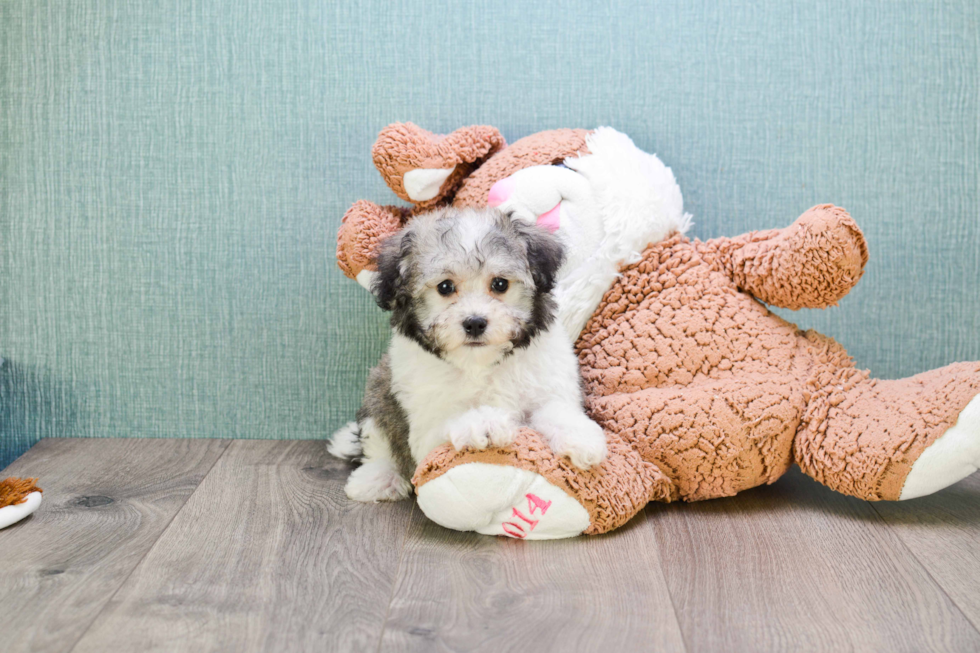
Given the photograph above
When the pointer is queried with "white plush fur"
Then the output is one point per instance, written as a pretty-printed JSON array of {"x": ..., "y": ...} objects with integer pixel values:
[
  {"x": 377, "y": 480},
  {"x": 477, "y": 396},
  {"x": 365, "y": 278},
  {"x": 564, "y": 428},
  {"x": 615, "y": 201},
  {"x": 482, "y": 426},
  {"x": 951, "y": 458}
]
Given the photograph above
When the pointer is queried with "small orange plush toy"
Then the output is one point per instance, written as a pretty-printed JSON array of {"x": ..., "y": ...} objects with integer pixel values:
[
  {"x": 19, "y": 497},
  {"x": 701, "y": 390}
]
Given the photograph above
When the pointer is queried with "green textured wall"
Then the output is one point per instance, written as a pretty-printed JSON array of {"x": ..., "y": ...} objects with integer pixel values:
[{"x": 173, "y": 174}]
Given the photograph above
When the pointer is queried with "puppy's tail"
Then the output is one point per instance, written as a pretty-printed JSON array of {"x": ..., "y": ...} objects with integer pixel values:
[{"x": 346, "y": 442}]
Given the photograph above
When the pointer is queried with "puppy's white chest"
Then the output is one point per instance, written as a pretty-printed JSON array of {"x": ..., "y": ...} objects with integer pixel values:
[
  {"x": 433, "y": 392},
  {"x": 425, "y": 383}
]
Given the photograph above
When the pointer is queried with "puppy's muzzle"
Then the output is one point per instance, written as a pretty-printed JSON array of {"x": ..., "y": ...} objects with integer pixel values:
[{"x": 475, "y": 326}]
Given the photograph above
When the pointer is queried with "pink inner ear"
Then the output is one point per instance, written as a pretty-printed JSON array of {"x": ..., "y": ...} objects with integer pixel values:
[
  {"x": 501, "y": 191},
  {"x": 552, "y": 219}
]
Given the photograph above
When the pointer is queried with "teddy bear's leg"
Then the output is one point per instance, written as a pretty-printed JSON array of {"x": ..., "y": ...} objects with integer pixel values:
[
  {"x": 951, "y": 458},
  {"x": 526, "y": 491},
  {"x": 713, "y": 439},
  {"x": 889, "y": 440},
  {"x": 362, "y": 229}
]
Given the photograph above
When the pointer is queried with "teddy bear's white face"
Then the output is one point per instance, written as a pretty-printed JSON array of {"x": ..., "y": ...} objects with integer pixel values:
[
  {"x": 606, "y": 207},
  {"x": 558, "y": 199}
]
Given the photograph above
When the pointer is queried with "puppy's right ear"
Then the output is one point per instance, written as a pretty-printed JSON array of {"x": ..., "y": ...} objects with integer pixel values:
[{"x": 391, "y": 285}]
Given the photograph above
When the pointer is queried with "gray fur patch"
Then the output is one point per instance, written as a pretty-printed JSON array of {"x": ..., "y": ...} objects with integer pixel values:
[{"x": 381, "y": 405}]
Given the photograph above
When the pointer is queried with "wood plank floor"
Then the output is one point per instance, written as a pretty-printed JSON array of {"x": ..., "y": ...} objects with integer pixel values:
[{"x": 251, "y": 545}]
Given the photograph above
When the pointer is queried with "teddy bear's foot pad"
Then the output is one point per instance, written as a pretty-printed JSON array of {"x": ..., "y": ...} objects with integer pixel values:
[
  {"x": 501, "y": 500},
  {"x": 951, "y": 458}
]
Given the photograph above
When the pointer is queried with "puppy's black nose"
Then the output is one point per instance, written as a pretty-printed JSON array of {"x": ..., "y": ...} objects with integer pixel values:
[{"x": 475, "y": 326}]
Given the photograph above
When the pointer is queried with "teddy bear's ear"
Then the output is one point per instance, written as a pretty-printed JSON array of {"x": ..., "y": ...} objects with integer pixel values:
[
  {"x": 362, "y": 229},
  {"x": 426, "y": 168}
]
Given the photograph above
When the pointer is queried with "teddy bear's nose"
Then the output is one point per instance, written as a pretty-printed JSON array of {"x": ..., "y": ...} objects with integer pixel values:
[{"x": 501, "y": 192}]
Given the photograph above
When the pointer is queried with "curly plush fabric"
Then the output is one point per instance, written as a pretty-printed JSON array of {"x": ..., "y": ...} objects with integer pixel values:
[
  {"x": 362, "y": 229},
  {"x": 403, "y": 147},
  {"x": 611, "y": 493},
  {"x": 811, "y": 265},
  {"x": 544, "y": 148},
  {"x": 714, "y": 388},
  {"x": 15, "y": 490},
  {"x": 860, "y": 436}
]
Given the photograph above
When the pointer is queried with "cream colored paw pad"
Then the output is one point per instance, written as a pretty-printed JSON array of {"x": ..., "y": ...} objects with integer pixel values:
[{"x": 501, "y": 500}]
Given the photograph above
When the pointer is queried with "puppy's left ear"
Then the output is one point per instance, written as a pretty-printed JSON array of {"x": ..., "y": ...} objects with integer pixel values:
[
  {"x": 390, "y": 286},
  {"x": 545, "y": 254}
]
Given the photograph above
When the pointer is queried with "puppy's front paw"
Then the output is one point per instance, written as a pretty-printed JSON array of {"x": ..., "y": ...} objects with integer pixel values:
[
  {"x": 468, "y": 430},
  {"x": 583, "y": 452},
  {"x": 572, "y": 434},
  {"x": 482, "y": 426},
  {"x": 501, "y": 426}
]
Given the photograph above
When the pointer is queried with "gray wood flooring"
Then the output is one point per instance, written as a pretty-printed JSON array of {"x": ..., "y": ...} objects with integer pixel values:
[{"x": 251, "y": 545}]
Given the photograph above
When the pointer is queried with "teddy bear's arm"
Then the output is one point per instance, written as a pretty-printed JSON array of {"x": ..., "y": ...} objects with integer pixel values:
[
  {"x": 812, "y": 263},
  {"x": 362, "y": 229}
]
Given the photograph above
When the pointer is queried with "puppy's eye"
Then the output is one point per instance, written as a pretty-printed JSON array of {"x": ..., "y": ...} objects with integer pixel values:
[
  {"x": 446, "y": 288},
  {"x": 499, "y": 285}
]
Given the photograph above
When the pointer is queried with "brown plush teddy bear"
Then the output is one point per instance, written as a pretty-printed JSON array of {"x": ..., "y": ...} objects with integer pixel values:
[{"x": 702, "y": 391}]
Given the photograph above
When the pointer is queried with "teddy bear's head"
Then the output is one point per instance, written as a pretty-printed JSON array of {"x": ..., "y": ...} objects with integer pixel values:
[
  {"x": 429, "y": 169},
  {"x": 604, "y": 197}
]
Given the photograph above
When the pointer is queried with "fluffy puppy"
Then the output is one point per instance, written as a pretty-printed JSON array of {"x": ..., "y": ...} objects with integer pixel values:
[{"x": 475, "y": 353}]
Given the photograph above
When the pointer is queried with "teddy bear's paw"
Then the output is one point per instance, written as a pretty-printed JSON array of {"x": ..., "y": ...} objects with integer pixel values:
[{"x": 501, "y": 500}]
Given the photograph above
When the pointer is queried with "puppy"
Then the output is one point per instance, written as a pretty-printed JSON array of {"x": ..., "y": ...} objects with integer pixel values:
[{"x": 475, "y": 354}]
